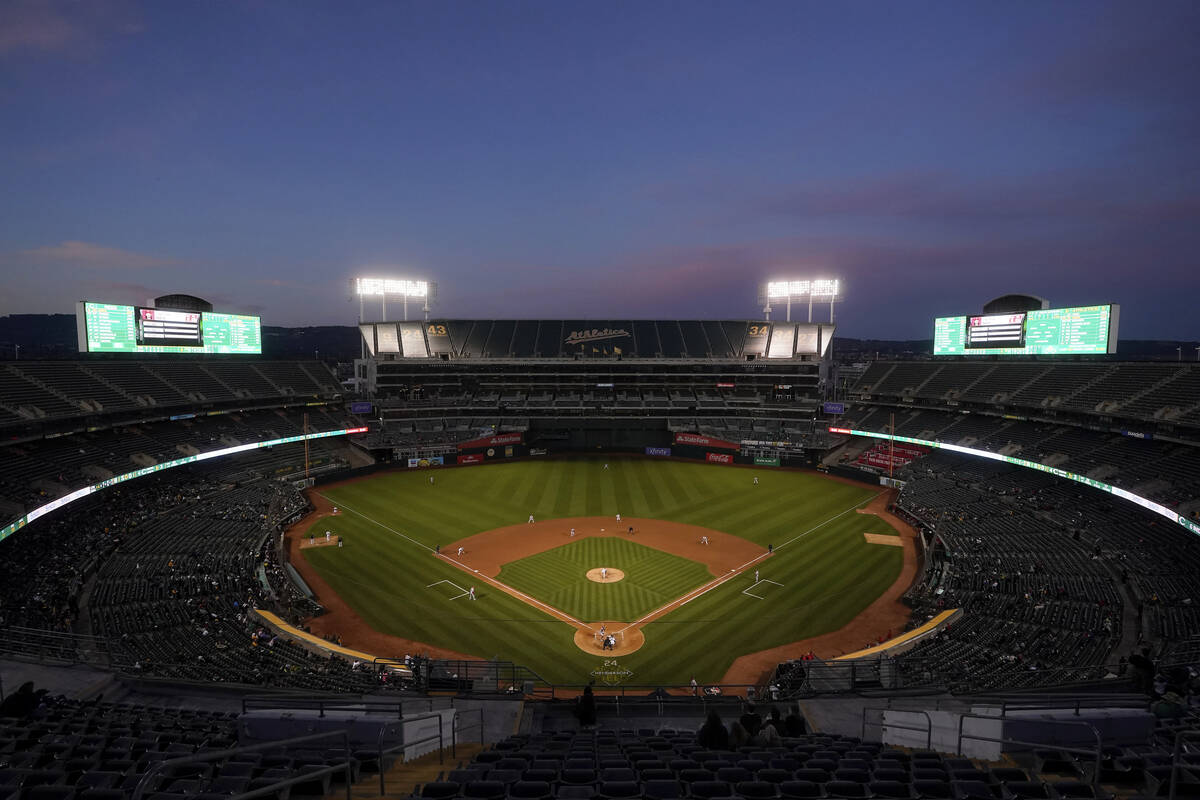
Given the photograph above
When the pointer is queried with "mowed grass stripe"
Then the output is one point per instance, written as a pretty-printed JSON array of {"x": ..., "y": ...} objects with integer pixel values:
[
  {"x": 653, "y": 578},
  {"x": 829, "y": 575}
]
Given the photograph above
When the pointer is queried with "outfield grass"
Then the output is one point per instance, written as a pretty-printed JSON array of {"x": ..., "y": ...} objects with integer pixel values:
[
  {"x": 829, "y": 573},
  {"x": 558, "y": 577}
]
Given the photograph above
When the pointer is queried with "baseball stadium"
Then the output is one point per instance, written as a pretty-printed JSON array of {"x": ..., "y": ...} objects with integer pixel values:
[{"x": 530, "y": 557}]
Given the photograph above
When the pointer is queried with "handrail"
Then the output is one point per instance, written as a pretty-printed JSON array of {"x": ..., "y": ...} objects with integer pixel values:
[
  {"x": 1097, "y": 753},
  {"x": 321, "y": 705},
  {"x": 1175, "y": 755},
  {"x": 454, "y": 729},
  {"x": 403, "y": 744},
  {"x": 196, "y": 758},
  {"x": 928, "y": 729}
]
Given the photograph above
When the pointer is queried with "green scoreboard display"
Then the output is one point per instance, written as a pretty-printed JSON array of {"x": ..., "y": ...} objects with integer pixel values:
[
  {"x": 1041, "y": 332},
  {"x": 108, "y": 328}
]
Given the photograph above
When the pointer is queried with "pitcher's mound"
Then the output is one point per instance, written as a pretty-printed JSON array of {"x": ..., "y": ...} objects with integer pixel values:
[
  {"x": 628, "y": 640},
  {"x": 611, "y": 576}
]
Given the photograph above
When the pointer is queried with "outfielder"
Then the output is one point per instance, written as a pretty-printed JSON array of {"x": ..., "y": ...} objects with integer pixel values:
[{"x": 755, "y": 480}]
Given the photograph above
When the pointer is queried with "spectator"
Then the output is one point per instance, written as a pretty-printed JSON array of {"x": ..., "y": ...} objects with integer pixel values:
[
  {"x": 586, "y": 708},
  {"x": 713, "y": 735},
  {"x": 751, "y": 720}
]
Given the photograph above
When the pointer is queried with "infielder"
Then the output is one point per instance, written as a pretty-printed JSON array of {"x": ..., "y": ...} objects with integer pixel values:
[
  {"x": 461, "y": 550},
  {"x": 531, "y": 518},
  {"x": 703, "y": 540},
  {"x": 327, "y": 536},
  {"x": 618, "y": 517},
  {"x": 572, "y": 533}
]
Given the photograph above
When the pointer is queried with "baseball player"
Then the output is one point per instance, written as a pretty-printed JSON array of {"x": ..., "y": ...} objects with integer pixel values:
[
  {"x": 327, "y": 536},
  {"x": 631, "y": 530},
  {"x": 703, "y": 540},
  {"x": 604, "y": 573},
  {"x": 618, "y": 517},
  {"x": 312, "y": 538},
  {"x": 572, "y": 533},
  {"x": 431, "y": 480},
  {"x": 531, "y": 518},
  {"x": 756, "y": 576},
  {"x": 606, "y": 466},
  {"x": 461, "y": 550},
  {"x": 755, "y": 480},
  {"x": 471, "y": 593}
]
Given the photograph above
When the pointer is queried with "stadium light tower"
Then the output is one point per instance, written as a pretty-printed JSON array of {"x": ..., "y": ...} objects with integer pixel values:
[
  {"x": 785, "y": 291},
  {"x": 402, "y": 288}
]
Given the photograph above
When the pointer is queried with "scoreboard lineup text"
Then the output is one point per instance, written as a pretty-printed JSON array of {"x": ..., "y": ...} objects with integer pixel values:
[
  {"x": 110, "y": 328},
  {"x": 1053, "y": 331}
]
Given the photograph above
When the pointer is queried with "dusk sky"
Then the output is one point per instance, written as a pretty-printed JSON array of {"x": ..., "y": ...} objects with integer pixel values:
[{"x": 604, "y": 160}]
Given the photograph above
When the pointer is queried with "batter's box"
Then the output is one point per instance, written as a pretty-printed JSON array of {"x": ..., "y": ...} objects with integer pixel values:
[
  {"x": 757, "y": 584},
  {"x": 452, "y": 591}
]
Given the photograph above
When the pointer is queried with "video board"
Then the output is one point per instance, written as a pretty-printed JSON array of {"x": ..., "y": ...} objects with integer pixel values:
[
  {"x": 110, "y": 328},
  {"x": 1041, "y": 332}
]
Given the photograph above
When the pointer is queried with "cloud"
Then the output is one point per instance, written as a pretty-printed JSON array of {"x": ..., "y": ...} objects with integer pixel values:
[
  {"x": 59, "y": 27},
  {"x": 86, "y": 255}
]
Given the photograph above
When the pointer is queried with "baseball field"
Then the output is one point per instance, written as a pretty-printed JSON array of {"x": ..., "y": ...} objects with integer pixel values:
[{"x": 707, "y": 574}]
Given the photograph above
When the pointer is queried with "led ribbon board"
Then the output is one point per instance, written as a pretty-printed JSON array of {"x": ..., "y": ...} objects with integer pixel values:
[
  {"x": 1124, "y": 494},
  {"x": 78, "y": 494}
]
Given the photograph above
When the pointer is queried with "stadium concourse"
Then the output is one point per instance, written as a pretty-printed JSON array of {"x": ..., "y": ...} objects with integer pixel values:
[{"x": 150, "y": 584}]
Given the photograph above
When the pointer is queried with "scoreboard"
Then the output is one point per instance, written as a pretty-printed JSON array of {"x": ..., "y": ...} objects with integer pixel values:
[
  {"x": 1041, "y": 332},
  {"x": 109, "y": 328}
]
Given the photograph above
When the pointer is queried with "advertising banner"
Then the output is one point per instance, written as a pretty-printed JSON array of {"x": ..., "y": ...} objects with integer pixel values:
[
  {"x": 491, "y": 441},
  {"x": 508, "y": 451},
  {"x": 427, "y": 461},
  {"x": 361, "y": 407},
  {"x": 833, "y": 408},
  {"x": 762, "y": 461},
  {"x": 537, "y": 451},
  {"x": 719, "y": 458},
  {"x": 474, "y": 458},
  {"x": 658, "y": 451},
  {"x": 705, "y": 441}
]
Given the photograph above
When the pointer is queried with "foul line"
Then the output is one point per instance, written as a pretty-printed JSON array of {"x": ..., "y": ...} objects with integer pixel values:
[
  {"x": 377, "y": 522},
  {"x": 503, "y": 587},
  {"x": 713, "y": 584}
]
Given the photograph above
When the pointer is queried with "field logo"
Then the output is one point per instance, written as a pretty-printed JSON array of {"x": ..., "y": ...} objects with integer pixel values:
[
  {"x": 611, "y": 673},
  {"x": 595, "y": 335}
]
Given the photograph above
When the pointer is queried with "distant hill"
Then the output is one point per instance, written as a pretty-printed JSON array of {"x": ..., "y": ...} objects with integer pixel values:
[{"x": 52, "y": 336}]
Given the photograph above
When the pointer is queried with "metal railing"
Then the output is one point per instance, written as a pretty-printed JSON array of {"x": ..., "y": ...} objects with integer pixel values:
[
  {"x": 158, "y": 767},
  {"x": 399, "y": 726},
  {"x": 323, "y": 705},
  {"x": 1096, "y": 754},
  {"x": 1176, "y": 753},
  {"x": 928, "y": 729}
]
